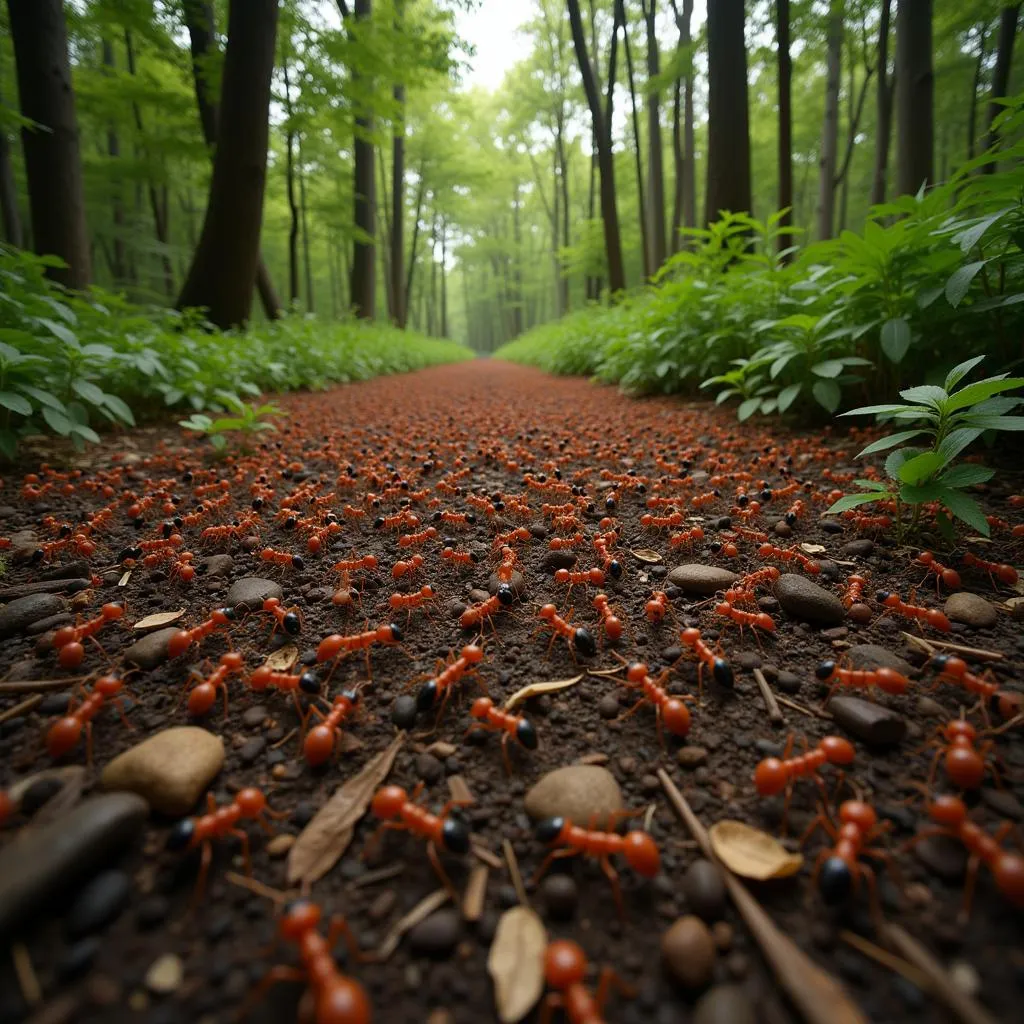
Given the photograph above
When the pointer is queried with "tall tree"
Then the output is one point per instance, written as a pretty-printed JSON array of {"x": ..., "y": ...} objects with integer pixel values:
[
  {"x": 605, "y": 160},
  {"x": 830, "y": 125},
  {"x": 397, "y": 265},
  {"x": 1001, "y": 74},
  {"x": 684, "y": 207},
  {"x": 116, "y": 254},
  {"x": 656, "y": 186},
  {"x": 289, "y": 177},
  {"x": 728, "y": 163},
  {"x": 972, "y": 109},
  {"x": 199, "y": 19},
  {"x": 915, "y": 87},
  {"x": 53, "y": 163},
  {"x": 620, "y": 21},
  {"x": 223, "y": 271},
  {"x": 785, "y": 71},
  {"x": 883, "y": 114}
]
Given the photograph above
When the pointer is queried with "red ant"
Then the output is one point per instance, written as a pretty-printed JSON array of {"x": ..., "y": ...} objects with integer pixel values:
[
  {"x": 886, "y": 679},
  {"x": 593, "y": 577},
  {"x": 854, "y": 591},
  {"x": 335, "y": 645},
  {"x": 400, "y": 811},
  {"x": 282, "y": 558},
  {"x": 954, "y": 670},
  {"x": 319, "y": 537},
  {"x": 996, "y": 571},
  {"x": 507, "y": 565},
  {"x": 657, "y": 607},
  {"x": 460, "y": 557},
  {"x": 397, "y": 521},
  {"x": 758, "y": 620},
  {"x": 753, "y": 580},
  {"x": 487, "y": 716},
  {"x": 478, "y": 614},
  {"x": 934, "y": 618},
  {"x": 701, "y": 500},
  {"x": 290, "y": 620},
  {"x": 405, "y": 568},
  {"x": 687, "y": 538},
  {"x": 454, "y": 518},
  {"x": 217, "y": 823},
  {"x": 950, "y": 578},
  {"x": 68, "y": 639},
  {"x": 672, "y": 711},
  {"x": 183, "y": 569},
  {"x": 965, "y": 764},
  {"x": 65, "y": 733},
  {"x": 520, "y": 533},
  {"x": 181, "y": 641},
  {"x": 414, "y": 540},
  {"x": 865, "y": 522},
  {"x": 441, "y": 685},
  {"x": 307, "y": 682},
  {"x": 338, "y": 999},
  {"x": 417, "y": 599},
  {"x": 235, "y": 531},
  {"x": 950, "y": 817},
  {"x": 356, "y": 564},
  {"x": 788, "y": 555},
  {"x": 569, "y": 840},
  {"x": 578, "y": 638},
  {"x": 564, "y": 543},
  {"x": 773, "y": 774},
  {"x": 721, "y": 670},
  {"x": 203, "y": 695},
  {"x": 673, "y": 519},
  {"x": 565, "y": 967},
  {"x": 324, "y": 739},
  {"x": 610, "y": 623}
]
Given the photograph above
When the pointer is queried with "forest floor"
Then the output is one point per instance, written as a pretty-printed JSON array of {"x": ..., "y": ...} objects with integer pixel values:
[{"x": 126, "y": 946}]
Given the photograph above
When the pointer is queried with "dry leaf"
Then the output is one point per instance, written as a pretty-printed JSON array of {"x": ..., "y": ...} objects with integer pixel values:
[
  {"x": 751, "y": 853},
  {"x": 160, "y": 619},
  {"x": 646, "y": 555},
  {"x": 536, "y": 689},
  {"x": 282, "y": 659},
  {"x": 442, "y": 749},
  {"x": 322, "y": 842},
  {"x": 123, "y": 581},
  {"x": 812, "y": 549},
  {"x": 516, "y": 963},
  {"x": 458, "y": 789}
]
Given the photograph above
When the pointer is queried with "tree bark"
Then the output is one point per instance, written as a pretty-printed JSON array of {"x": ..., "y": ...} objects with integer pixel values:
[
  {"x": 306, "y": 258},
  {"x": 293, "y": 206},
  {"x": 223, "y": 270},
  {"x": 854, "y": 112},
  {"x": 398, "y": 193},
  {"x": 1001, "y": 74},
  {"x": 444, "y": 279},
  {"x": 785, "y": 69},
  {"x": 883, "y": 116},
  {"x": 385, "y": 246},
  {"x": 53, "y": 163},
  {"x": 638, "y": 157},
  {"x": 684, "y": 213},
  {"x": 972, "y": 110},
  {"x": 9, "y": 195},
  {"x": 655, "y": 157},
  {"x": 915, "y": 86},
  {"x": 606, "y": 164},
  {"x": 117, "y": 205},
  {"x": 420, "y": 192},
  {"x": 830, "y": 124},
  {"x": 364, "y": 270},
  {"x": 728, "y": 170},
  {"x": 201, "y": 24}
]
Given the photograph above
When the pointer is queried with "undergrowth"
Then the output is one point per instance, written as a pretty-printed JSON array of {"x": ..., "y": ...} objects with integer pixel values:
[{"x": 70, "y": 363}]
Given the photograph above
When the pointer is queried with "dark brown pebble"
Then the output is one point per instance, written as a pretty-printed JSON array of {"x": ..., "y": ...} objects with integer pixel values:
[
  {"x": 873, "y": 723},
  {"x": 608, "y": 706},
  {"x": 1003, "y": 802},
  {"x": 251, "y": 749},
  {"x": 39, "y": 793},
  {"x": 704, "y": 889},
  {"x": 438, "y": 935},
  {"x": 98, "y": 904},
  {"x": 788, "y": 682},
  {"x": 860, "y": 613},
  {"x": 429, "y": 768},
  {"x": 561, "y": 896},
  {"x": 403, "y": 712},
  {"x": 724, "y": 1004}
]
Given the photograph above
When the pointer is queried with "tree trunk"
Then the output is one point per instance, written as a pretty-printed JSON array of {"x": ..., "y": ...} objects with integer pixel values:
[
  {"x": 293, "y": 206},
  {"x": 563, "y": 175},
  {"x": 684, "y": 212},
  {"x": 117, "y": 206},
  {"x": 364, "y": 271},
  {"x": 199, "y": 19},
  {"x": 517, "y": 273},
  {"x": 915, "y": 87},
  {"x": 398, "y": 194},
  {"x": 53, "y": 163},
  {"x": 883, "y": 117},
  {"x": 655, "y": 157},
  {"x": 728, "y": 171},
  {"x": 223, "y": 270},
  {"x": 1001, "y": 74},
  {"x": 444, "y": 279},
  {"x": 9, "y": 195},
  {"x": 606, "y": 164},
  {"x": 854, "y": 112},
  {"x": 830, "y": 124},
  {"x": 306, "y": 259},
  {"x": 638, "y": 158},
  {"x": 385, "y": 246},
  {"x": 972, "y": 110},
  {"x": 420, "y": 190},
  {"x": 689, "y": 134},
  {"x": 785, "y": 66}
]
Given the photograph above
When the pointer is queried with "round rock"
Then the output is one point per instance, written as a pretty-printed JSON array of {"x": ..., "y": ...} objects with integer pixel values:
[
  {"x": 561, "y": 895},
  {"x": 171, "y": 769},
  {"x": 804, "y": 600},
  {"x": 692, "y": 757},
  {"x": 688, "y": 951},
  {"x": 971, "y": 609},
  {"x": 868, "y": 656},
  {"x": 165, "y": 974},
  {"x": 436, "y": 936},
  {"x": 99, "y": 903},
  {"x": 703, "y": 580},
  {"x": 251, "y": 591},
  {"x": 724, "y": 1004},
  {"x": 22, "y": 612},
  {"x": 151, "y": 650},
  {"x": 580, "y": 792},
  {"x": 403, "y": 711},
  {"x": 704, "y": 889}
]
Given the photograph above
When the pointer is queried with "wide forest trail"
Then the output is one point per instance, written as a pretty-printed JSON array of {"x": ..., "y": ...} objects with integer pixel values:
[{"x": 310, "y": 587}]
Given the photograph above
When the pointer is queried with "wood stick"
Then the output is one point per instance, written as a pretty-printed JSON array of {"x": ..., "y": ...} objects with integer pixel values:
[
  {"x": 476, "y": 889},
  {"x": 929, "y": 646},
  {"x": 28, "y": 982},
  {"x": 775, "y": 715},
  {"x": 426, "y": 906},
  {"x": 810, "y": 712},
  {"x": 20, "y": 708},
  {"x": 245, "y": 882},
  {"x": 513, "y": 870},
  {"x": 380, "y": 875},
  {"x": 818, "y": 996},
  {"x": 962, "y": 1005},
  {"x": 913, "y": 974},
  {"x": 40, "y": 685}
]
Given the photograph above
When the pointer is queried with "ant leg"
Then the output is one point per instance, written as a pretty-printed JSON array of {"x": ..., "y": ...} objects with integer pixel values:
[
  {"x": 607, "y": 980},
  {"x": 118, "y": 703},
  {"x": 552, "y": 1001},
  {"x": 88, "y": 743},
  {"x": 927, "y": 833},
  {"x": 435, "y": 863},
  {"x": 339, "y": 929},
  {"x": 613, "y": 879},
  {"x": 417, "y": 791},
  {"x": 874, "y": 903},
  {"x": 244, "y": 840},
  {"x": 632, "y": 711},
  {"x": 819, "y": 860},
  {"x": 374, "y": 841},
  {"x": 273, "y": 977},
  {"x": 504, "y": 753},
  {"x": 204, "y": 869},
  {"x": 447, "y": 808},
  {"x": 821, "y": 821},
  {"x": 224, "y": 692},
  {"x": 972, "y": 875},
  {"x": 559, "y": 854}
]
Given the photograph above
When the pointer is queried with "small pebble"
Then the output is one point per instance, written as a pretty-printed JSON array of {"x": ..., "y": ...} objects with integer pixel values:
[
  {"x": 725, "y": 1004},
  {"x": 608, "y": 706},
  {"x": 99, "y": 903},
  {"x": 965, "y": 978},
  {"x": 692, "y": 757},
  {"x": 429, "y": 768},
  {"x": 561, "y": 895},
  {"x": 438, "y": 935},
  {"x": 165, "y": 974},
  {"x": 78, "y": 958},
  {"x": 688, "y": 951},
  {"x": 722, "y": 933},
  {"x": 403, "y": 711},
  {"x": 971, "y": 609},
  {"x": 251, "y": 749},
  {"x": 704, "y": 889}
]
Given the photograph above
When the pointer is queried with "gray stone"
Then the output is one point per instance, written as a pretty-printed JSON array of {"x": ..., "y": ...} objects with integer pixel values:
[
  {"x": 517, "y": 581},
  {"x": 251, "y": 591},
  {"x": 874, "y": 724},
  {"x": 702, "y": 580},
  {"x": 98, "y": 904},
  {"x": 972, "y": 610},
  {"x": 23, "y": 611},
  {"x": 561, "y": 895},
  {"x": 554, "y": 560},
  {"x": 583, "y": 793},
  {"x": 150, "y": 650},
  {"x": 725, "y": 1004},
  {"x": 429, "y": 768},
  {"x": 943, "y": 856},
  {"x": 438, "y": 935},
  {"x": 50, "y": 622},
  {"x": 40, "y": 864},
  {"x": 804, "y": 600},
  {"x": 868, "y": 656},
  {"x": 704, "y": 889},
  {"x": 251, "y": 749},
  {"x": 403, "y": 712},
  {"x": 215, "y": 566},
  {"x": 858, "y": 548},
  {"x": 254, "y": 717},
  {"x": 62, "y": 586}
]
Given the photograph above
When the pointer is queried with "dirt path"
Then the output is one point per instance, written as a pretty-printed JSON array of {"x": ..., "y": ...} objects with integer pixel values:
[{"x": 432, "y": 441}]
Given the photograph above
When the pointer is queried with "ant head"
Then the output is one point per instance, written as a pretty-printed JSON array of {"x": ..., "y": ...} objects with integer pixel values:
[
  {"x": 388, "y": 801},
  {"x": 426, "y": 591},
  {"x": 548, "y": 830},
  {"x": 926, "y": 558},
  {"x": 378, "y": 523},
  {"x": 109, "y": 686},
  {"x": 232, "y": 660},
  {"x": 481, "y": 706},
  {"x": 455, "y": 835},
  {"x": 271, "y": 603},
  {"x": 723, "y": 608},
  {"x": 596, "y": 577},
  {"x": 938, "y": 620},
  {"x": 561, "y": 575},
  {"x": 426, "y": 695},
  {"x": 352, "y": 696},
  {"x": 473, "y": 654},
  {"x": 835, "y": 880},
  {"x": 825, "y": 670},
  {"x": 948, "y": 810},
  {"x": 641, "y": 854},
  {"x": 181, "y": 835},
  {"x": 636, "y": 672},
  {"x": 770, "y": 777},
  {"x": 250, "y": 800},
  {"x": 112, "y": 611},
  {"x": 891, "y": 681},
  {"x": 584, "y": 642},
  {"x": 309, "y": 683},
  {"x": 505, "y": 594},
  {"x": 396, "y": 632},
  {"x": 764, "y": 621},
  {"x": 690, "y": 636},
  {"x": 722, "y": 671},
  {"x": 837, "y": 750},
  {"x": 959, "y": 728},
  {"x": 882, "y": 596},
  {"x": 548, "y": 612},
  {"x": 526, "y": 734},
  {"x": 857, "y": 812},
  {"x": 300, "y": 917},
  {"x": 565, "y": 964}
]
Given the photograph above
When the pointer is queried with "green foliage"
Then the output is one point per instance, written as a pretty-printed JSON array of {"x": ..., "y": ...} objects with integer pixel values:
[
  {"x": 71, "y": 363},
  {"x": 250, "y": 419},
  {"x": 950, "y": 420}
]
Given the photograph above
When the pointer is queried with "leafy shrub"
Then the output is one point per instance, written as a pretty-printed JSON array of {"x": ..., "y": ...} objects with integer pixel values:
[
  {"x": 248, "y": 419},
  {"x": 71, "y": 362}
]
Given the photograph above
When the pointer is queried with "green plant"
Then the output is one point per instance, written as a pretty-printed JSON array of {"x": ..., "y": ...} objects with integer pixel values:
[
  {"x": 951, "y": 420},
  {"x": 250, "y": 419}
]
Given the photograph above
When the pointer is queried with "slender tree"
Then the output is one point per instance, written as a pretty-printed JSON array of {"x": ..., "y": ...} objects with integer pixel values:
[
  {"x": 116, "y": 257},
  {"x": 645, "y": 246},
  {"x": 1001, "y": 74},
  {"x": 398, "y": 311},
  {"x": 728, "y": 163},
  {"x": 605, "y": 160},
  {"x": 289, "y": 177},
  {"x": 364, "y": 270},
  {"x": 307, "y": 261},
  {"x": 785, "y": 71},
  {"x": 830, "y": 126},
  {"x": 223, "y": 271},
  {"x": 656, "y": 188},
  {"x": 53, "y": 163},
  {"x": 883, "y": 114},
  {"x": 972, "y": 109},
  {"x": 915, "y": 86}
]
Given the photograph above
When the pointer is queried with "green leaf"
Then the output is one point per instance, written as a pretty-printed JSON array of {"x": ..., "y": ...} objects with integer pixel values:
[
  {"x": 956, "y": 441},
  {"x": 788, "y": 395},
  {"x": 969, "y": 238},
  {"x": 978, "y": 392},
  {"x": 926, "y": 394},
  {"x": 894, "y": 460},
  {"x": 960, "y": 371},
  {"x": 884, "y": 443},
  {"x": 895, "y": 338},
  {"x": 966, "y": 475},
  {"x": 877, "y": 410},
  {"x": 87, "y": 433},
  {"x": 920, "y": 468},
  {"x": 959, "y": 283},
  {"x": 996, "y": 422},
  {"x": 219, "y": 442},
  {"x": 848, "y": 501},
  {"x": 8, "y": 443},
  {"x": 827, "y": 394},
  {"x": 57, "y": 421},
  {"x": 945, "y": 527},
  {"x": 16, "y": 403},
  {"x": 873, "y": 485},
  {"x": 965, "y": 508},
  {"x": 918, "y": 494},
  {"x": 43, "y": 397},
  {"x": 747, "y": 409},
  {"x": 60, "y": 331},
  {"x": 119, "y": 408},
  {"x": 829, "y": 368},
  {"x": 87, "y": 390}
]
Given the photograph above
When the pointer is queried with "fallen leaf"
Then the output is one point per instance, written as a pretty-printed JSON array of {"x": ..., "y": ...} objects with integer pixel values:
[
  {"x": 516, "y": 963},
  {"x": 536, "y": 689},
  {"x": 751, "y": 853},
  {"x": 442, "y": 749},
  {"x": 458, "y": 790},
  {"x": 282, "y": 659},
  {"x": 813, "y": 549},
  {"x": 646, "y": 555},
  {"x": 123, "y": 581},
  {"x": 159, "y": 619},
  {"x": 322, "y": 842}
]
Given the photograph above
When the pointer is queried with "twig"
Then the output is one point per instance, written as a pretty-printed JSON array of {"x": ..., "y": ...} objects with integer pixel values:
[
  {"x": 961, "y": 1004},
  {"x": 513, "y": 870},
  {"x": 775, "y": 716},
  {"x": 476, "y": 889},
  {"x": 27, "y": 980},
  {"x": 380, "y": 875},
  {"x": 482, "y": 854},
  {"x": 819, "y": 997},
  {"x": 604, "y": 671},
  {"x": 810, "y": 712},
  {"x": 928, "y": 646},
  {"x": 649, "y": 816},
  {"x": 422, "y": 910},
  {"x": 19, "y": 709},
  {"x": 244, "y": 882},
  {"x": 40, "y": 685},
  {"x": 894, "y": 963}
]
